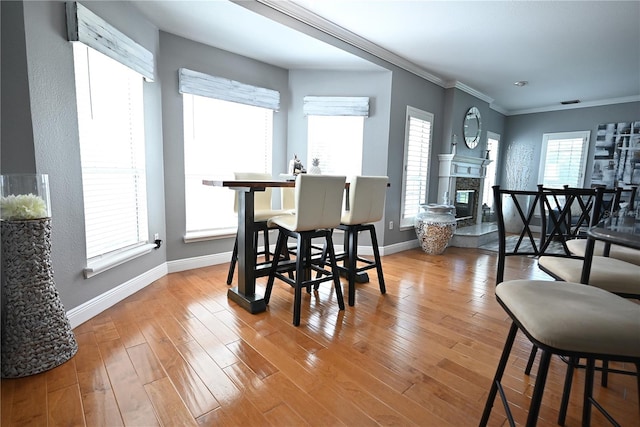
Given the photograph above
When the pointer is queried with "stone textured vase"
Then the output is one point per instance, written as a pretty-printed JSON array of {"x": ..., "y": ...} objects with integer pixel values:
[
  {"x": 36, "y": 333},
  {"x": 434, "y": 227}
]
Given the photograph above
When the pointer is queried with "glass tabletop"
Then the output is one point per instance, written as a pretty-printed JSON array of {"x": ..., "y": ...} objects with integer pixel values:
[{"x": 623, "y": 229}]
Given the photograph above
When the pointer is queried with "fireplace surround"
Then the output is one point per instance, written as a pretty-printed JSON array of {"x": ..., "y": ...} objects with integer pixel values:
[{"x": 458, "y": 176}]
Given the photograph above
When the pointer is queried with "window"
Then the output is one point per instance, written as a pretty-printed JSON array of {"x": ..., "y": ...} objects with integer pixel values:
[
  {"x": 112, "y": 147},
  {"x": 493, "y": 145},
  {"x": 220, "y": 138},
  {"x": 337, "y": 142},
  {"x": 417, "y": 155},
  {"x": 563, "y": 160}
]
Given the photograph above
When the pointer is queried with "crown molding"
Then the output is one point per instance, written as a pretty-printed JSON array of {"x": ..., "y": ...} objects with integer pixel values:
[
  {"x": 597, "y": 103},
  {"x": 303, "y": 15},
  {"x": 300, "y": 15}
]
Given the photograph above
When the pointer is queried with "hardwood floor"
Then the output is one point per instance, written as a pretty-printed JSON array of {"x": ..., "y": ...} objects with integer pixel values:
[{"x": 178, "y": 353}]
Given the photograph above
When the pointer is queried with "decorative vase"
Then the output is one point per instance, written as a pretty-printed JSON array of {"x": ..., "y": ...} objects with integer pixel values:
[
  {"x": 434, "y": 227},
  {"x": 36, "y": 333}
]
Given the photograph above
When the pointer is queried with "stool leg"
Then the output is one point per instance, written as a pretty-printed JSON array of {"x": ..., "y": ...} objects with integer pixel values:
[
  {"x": 498, "y": 376},
  {"x": 376, "y": 257},
  {"x": 588, "y": 392},
  {"x": 568, "y": 379},
  {"x": 300, "y": 274},
  {"x": 335, "y": 272},
  {"x": 532, "y": 358},
  {"x": 232, "y": 265},
  {"x": 282, "y": 240},
  {"x": 353, "y": 260},
  {"x": 538, "y": 390}
]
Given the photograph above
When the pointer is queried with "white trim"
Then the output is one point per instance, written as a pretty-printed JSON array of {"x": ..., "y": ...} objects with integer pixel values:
[
  {"x": 201, "y": 84},
  {"x": 86, "y": 27},
  {"x": 611, "y": 101},
  {"x": 105, "y": 263},
  {"x": 97, "y": 305}
]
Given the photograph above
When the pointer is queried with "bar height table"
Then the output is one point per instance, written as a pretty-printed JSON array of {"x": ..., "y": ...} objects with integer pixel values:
[{"x": 245, "y": 293}]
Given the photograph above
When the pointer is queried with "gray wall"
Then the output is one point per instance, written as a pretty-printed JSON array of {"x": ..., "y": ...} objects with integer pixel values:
[
  {"x": 53, "y": 124},
  {"x": 527, "y": 129},
  {"x": 375, "y": 84},
  {"x": 18, "y": 157},
  {"x": 177, "y": 52}
]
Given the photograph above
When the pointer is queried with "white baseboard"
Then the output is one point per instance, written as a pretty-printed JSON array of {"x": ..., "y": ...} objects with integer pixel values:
[{"x": 97, "y": 305}]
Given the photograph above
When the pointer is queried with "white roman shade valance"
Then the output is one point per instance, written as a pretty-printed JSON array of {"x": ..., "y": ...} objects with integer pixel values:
[
  {"x": 336, "y": 106},
  {"x": 87, "y": 27},
  {"x": 201, "y": 84}
]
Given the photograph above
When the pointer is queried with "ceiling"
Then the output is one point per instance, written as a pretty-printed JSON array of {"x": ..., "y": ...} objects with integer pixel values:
[{"x": 566, "y": 50}]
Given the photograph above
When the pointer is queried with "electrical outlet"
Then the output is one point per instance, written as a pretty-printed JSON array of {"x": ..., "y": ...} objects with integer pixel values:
[
  {"x": 390, "y": 225},
  {"x": 156, "y": 236}
]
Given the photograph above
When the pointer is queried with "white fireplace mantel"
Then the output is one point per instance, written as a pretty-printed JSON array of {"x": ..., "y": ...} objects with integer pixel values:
[{"x": 454, "y": 166}]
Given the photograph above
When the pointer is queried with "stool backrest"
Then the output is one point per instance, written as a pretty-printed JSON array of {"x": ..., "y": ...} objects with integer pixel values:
[
  {"x": 288, "y": 198},
  {"x": 318, "y": 201},
  {"x": 366, "y": 199},
  {"x": 262, "y": 199}
]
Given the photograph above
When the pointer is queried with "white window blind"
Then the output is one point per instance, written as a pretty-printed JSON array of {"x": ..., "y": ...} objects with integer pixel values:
[
  {"x": 564, "y": 159},
  {"x": 220, "y": 138},
  {"x": 197, "y": 83},
  {"x": 336, "y": 106},
  {"x": 417, "y": 155},
  {"x": 336, "y": 141},
  {"x": 87, "y": 27},
  {"x": 112, "y": 147}
]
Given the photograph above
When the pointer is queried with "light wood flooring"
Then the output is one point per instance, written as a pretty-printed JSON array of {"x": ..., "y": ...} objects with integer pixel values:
[{"x": 178, "y": 353}]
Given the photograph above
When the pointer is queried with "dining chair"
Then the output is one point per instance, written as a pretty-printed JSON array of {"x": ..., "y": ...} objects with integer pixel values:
[
  {"x": 262, "y": 212},
  {"x": 573, "y": 321},
  {"x": 318, "y": 206},
  {"x": 530, "y": 210},
  {"x": 366, "y": 206}
]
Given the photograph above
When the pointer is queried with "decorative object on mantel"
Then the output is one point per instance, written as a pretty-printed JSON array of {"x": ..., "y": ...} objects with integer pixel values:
[
  {"x": 435, "y": 227},
  {"x": 36, "y": 333},
  {"x": 315, "y": 167}
]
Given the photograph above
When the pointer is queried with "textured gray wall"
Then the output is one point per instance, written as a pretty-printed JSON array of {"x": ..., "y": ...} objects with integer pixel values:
[
  {"x": 16, "y": 135},
  {"x": 57, "y": 153},
  {"x": 176, "y": 52}
]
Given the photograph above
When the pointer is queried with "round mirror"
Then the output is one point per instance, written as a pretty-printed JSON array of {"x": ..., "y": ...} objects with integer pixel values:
[{"x": 472, "y": 127}]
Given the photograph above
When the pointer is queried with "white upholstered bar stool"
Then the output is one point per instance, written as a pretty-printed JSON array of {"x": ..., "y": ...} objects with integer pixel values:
[
  {"x": 318, "y": 205},
  {"x": 262, "y": 212},
  {"x": 572, "y": 320},
  {"x": 366, "y": 206},
  {"x": 578, "y": 248}
]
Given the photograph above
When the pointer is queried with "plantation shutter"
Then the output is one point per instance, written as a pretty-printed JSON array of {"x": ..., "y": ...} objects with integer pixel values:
[{"x": 418, "y": 134}]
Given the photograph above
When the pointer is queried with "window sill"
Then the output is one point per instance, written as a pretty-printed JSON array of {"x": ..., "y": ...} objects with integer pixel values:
[
  {"x": 203, "y": 236},
  {"x": 105, "y": 263}
]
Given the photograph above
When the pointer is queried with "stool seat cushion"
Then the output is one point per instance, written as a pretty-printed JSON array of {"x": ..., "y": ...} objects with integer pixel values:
[
  {"x": 571, "y": 317},
  {"x": 578, "y": 247},
  {"x": 264, "y": 214},
  {"x": 610, "y": 274}
]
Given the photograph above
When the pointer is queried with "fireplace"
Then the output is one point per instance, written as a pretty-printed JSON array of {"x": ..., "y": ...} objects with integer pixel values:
[
  {"x": 464, "y": 204},
  {"x": 462, "y": 177}
]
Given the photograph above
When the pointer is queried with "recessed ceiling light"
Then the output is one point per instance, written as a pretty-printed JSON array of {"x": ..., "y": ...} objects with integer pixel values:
[{"x": 521, "y": 83}]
